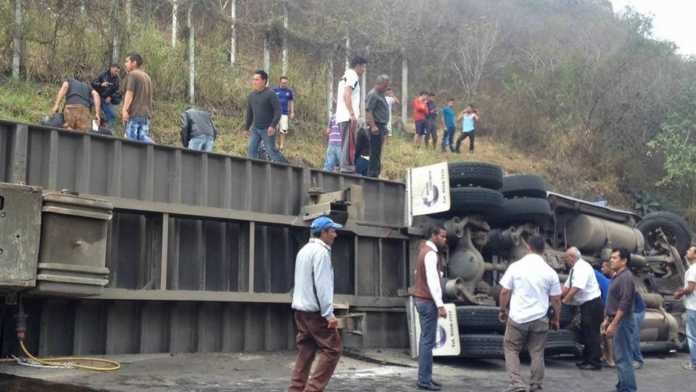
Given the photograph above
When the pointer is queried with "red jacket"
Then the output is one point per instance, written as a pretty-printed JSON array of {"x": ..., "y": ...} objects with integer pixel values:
[{"x": 420, "y": 110}]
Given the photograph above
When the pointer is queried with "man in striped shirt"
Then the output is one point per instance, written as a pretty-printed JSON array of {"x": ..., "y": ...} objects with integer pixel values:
[{"x": 333, "y": 149}]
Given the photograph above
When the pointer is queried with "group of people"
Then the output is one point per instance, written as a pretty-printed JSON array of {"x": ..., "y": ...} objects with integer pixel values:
[
  {"x": 531, "y": 298},
  {"x": 425, "y": 117},
  {"x": 77, "y": 99},
  {"x": 352, "y": 148},
  {"x": 84, "y": 107}
]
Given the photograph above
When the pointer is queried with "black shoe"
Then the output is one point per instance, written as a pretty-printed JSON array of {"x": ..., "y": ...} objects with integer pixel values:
[
  {"x": 429, "y": 387},
  {"x": 589, "y": 366},
  {"x": 437, "y": 384},
  {"x": 581, "y": 363}
]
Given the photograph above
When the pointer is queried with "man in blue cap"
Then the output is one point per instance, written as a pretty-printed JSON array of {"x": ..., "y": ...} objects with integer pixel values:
[{"x": 312, "y": 302}]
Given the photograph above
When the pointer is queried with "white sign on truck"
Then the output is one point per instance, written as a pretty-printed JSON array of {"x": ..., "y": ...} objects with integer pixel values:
[
  {"x": 427, "y": 190},
  {"x": 446, "y": 337}
]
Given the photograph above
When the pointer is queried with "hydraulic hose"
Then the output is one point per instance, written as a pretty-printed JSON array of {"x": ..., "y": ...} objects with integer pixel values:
[{"x": 85, "y": 363}]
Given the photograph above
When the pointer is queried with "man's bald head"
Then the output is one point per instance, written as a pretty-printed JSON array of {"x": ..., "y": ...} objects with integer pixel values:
[
  {"x": 572, "y": 255},
  {"x": 691, "y": 254}
]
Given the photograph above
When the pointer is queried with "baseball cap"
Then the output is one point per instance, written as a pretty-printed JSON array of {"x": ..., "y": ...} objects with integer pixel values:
[{"x": 323, "y": 223}]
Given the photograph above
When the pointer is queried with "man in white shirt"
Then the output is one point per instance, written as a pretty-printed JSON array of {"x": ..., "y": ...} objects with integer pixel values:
[
  {"x": 688, "y": 293},
  {"x": 347, "y": 109},
  {"x": 528, "y": 286},
  {"x": 428, "y": 298},
  {"x": 581, "y": 289},
  {"x": 312, "y": 304}
]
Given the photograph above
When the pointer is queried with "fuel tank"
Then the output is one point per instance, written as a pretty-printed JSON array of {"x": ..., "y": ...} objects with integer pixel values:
[{"x": 591, "y": 234}]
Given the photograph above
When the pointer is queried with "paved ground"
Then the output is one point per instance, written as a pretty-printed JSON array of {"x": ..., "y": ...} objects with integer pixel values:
[{"x": 269, "y": 372}]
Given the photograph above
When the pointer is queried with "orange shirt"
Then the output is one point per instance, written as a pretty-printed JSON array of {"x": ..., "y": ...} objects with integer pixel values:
[{"x": 420, "y": 110}]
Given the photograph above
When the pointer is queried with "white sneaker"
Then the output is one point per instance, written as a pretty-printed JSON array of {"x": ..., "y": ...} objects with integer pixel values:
[{"x": 689, "y": 366}]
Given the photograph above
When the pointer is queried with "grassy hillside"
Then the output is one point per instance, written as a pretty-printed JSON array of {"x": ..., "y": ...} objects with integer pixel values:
[{"x": 29, "y": 102}]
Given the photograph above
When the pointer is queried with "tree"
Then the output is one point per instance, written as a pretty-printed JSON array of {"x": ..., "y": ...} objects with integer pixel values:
[
  {"x": 676, "y": 143},
  {"x": 191, "y": 54},
  {"x": 473, "y": 53},
  {"x": 175, "y": 10},
  {"x": 115, "y": 31},
  {"x": 18, "y": 39}
]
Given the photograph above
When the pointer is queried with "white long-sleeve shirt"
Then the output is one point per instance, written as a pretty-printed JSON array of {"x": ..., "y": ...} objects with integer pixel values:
[
  {"x": 314, "y": 279},
  {"x": 432, "y": 275}
]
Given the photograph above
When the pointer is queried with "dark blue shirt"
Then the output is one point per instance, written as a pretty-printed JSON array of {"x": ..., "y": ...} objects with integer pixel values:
[
  {"x": 603, "y": 282},
  {"x": 448, "y": 114},
  {"x": 638, "y": 303},
  {"x": 284, "y": 96}
]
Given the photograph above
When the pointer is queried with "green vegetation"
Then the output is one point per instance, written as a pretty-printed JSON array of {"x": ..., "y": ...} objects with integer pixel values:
[{"x": 566, "y": 88}]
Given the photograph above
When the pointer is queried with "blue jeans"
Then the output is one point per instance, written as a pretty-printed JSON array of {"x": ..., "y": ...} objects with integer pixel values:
[
  {"x": 691, "y": 333},
  {"x": 109, "y": 113},
  {"x": 201, "y": 143},
  {"x": 448, "y": 138},
  {"x": 138, "y": 128},
  {"x": 427, "y": 312},
  {"x": 637, "y": 355},
  {"x": 623, "y": 355},
  {"x": 333, "y": 157},
  {"x": 361, "y": 165},
  {"x": 258, "y": 135}
]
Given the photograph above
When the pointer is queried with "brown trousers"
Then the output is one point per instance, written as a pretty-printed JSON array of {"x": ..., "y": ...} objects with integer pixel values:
[
  {"x": 517, "y": 336},
  {"x": 313, "y": 334},
  {"x": 77, "y": 118}
]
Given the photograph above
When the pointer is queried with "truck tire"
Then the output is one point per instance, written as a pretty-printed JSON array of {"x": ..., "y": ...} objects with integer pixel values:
[
  {"x": 491, "y": 346},
  {"x": 467, "y": 173},
  {"x": 481, "y": 346},
  {"x": 673, "y": 225},
  {"x": 562, "y": 341},
  {"x": 475, "y": 200},
  {"x": 523, "y": 210},
  {"x": 567, "y": 315},
  {"x": 524, "y": 185},
  {"x": 474, "y": 319}
]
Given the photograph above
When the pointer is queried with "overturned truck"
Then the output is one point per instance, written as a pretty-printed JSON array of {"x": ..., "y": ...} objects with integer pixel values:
[
  {"x": 111, "y": 246},
  {"x": 492, "y": 215}
]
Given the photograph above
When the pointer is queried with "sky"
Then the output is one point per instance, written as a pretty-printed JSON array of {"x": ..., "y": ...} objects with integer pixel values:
[{"x": 673, "y": 20}]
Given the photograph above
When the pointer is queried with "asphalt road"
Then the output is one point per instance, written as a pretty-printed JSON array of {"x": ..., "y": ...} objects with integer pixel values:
[{"x": 270, "y": 372}]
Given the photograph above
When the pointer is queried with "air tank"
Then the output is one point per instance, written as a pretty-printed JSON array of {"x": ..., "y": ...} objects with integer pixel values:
[{"x": 590, "y": 234}]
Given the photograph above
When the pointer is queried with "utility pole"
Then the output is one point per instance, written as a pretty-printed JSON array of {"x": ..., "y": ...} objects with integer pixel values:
[
  {"x": 233, "y": 32},
  {"x": 18, "y": 40},
  {"x": 175, "y": 10},
  {"x": 284, "y": 59},
  {"x": 192, "y": 56}
]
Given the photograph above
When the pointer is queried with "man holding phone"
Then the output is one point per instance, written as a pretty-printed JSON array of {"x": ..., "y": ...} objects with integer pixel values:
[
  {"x": 528, "y": 286},
  {"x": 107, "y": 85}
]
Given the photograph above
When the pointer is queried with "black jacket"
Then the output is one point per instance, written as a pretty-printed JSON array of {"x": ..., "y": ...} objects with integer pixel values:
[
  {"x": 112, "y": 90},
  {"x": 195, "y": 122}
]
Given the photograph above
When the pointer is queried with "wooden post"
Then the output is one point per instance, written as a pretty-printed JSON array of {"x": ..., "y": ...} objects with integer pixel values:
[
  {"x": 330, "y": 84},
  {"x": 233, "y": 32},
  {"x": 284, "y": 59},
  {"x": 404, "y": 88},
  {"x": 192, "y": 56},
  {"x": 17, "y": 40},
  {"x": 175, "y": 9},
  {"x": 266, "y": 53}
]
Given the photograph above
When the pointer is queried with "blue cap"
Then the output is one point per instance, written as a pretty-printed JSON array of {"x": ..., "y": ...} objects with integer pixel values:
[{"x": 323, "y": 223}]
